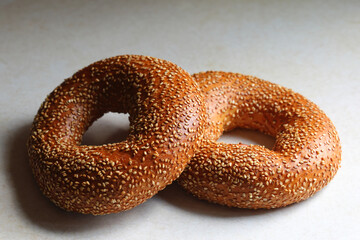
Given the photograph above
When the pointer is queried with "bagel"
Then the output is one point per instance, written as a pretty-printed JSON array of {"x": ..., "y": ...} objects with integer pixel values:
[
  {"x": 166, "y": 115},
  {"x": 305, "y": 157}
]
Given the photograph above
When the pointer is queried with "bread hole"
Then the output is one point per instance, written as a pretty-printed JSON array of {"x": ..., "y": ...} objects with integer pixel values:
[
  {"x": 110, "y": 128},
  {"x": 247, "y": 136}
]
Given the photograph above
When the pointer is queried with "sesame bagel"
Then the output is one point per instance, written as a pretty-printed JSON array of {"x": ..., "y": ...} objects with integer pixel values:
[
  {"x": 166, "y": 114},
  {"x": 305, "y": 157}
]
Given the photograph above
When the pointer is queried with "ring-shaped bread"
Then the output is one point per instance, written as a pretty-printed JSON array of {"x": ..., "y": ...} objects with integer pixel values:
[
  {"x": 305, "y": 157},
  {"x": 166, "y": 114}
]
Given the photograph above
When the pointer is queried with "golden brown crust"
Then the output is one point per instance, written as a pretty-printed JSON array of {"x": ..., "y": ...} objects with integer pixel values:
[
  {"x": 305, "y": 157},
  {"x": 166, "y": 121}
]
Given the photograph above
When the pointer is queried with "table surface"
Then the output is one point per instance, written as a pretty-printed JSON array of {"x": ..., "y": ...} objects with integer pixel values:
[{"x": 309, "y": 46}]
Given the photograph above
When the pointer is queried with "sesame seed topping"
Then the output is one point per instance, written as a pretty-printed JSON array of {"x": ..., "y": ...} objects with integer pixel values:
[
  {"x": 163, "y": 102},
  {"x": 249, "y": 176}
]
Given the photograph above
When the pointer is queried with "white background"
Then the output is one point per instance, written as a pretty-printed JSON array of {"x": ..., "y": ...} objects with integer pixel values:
[{"x": 312, "y": 47}]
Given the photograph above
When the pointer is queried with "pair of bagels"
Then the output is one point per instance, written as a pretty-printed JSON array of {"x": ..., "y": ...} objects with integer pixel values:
[{"x": 175, "y": 120}]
